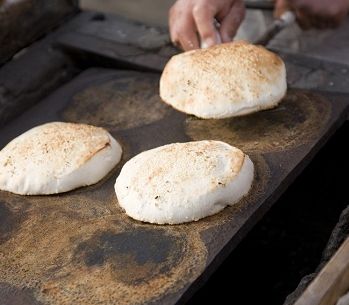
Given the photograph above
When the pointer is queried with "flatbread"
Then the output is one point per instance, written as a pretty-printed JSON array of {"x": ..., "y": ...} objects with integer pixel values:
[
  {"x": 183, "y": 182},
  {"x": 57, "y": 157},
  {"x": 225, "y": 80}
]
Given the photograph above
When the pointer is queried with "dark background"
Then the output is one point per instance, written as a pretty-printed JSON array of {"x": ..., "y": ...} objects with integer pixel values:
[{"x": 288, "y": 242}]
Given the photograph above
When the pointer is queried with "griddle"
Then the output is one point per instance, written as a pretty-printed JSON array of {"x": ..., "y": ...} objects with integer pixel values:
[{"x": 80, "y": 247}]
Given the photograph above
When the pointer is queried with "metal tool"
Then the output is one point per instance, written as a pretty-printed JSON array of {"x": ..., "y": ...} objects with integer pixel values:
[{"x": 285, "y": 20}]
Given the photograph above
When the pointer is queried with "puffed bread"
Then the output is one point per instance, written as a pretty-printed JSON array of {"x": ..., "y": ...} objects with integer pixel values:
[
  {"x": 183, "y": 182},
  {"x": 57, "y": 157},
  {"x": 225, "y": 80}
]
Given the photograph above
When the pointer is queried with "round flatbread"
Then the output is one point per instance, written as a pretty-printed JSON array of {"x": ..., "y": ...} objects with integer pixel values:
[
  {"x": 57, "y": 157},
  {"x": 183, "y": 182},
  {"x": 226, "y": 80}
]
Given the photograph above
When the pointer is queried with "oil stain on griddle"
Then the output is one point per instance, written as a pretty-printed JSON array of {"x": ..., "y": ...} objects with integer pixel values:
[
  {"x": 135, "y": 256},
  {"x": 12, "y": 295},
  {"x": 78, "y": 258},
  {"x": 11, "y": 218},
  {"x": 122, "y": 103},
  {"x": 298, "y": 119}
]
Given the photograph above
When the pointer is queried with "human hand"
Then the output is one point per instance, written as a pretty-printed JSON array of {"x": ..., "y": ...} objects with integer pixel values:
[
  {"x": 319, "y": 14},
  {"x": 188, "y": 18}
]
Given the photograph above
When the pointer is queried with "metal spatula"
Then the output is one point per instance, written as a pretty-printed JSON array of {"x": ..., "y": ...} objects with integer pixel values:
[{"x": 285, "y": 20}]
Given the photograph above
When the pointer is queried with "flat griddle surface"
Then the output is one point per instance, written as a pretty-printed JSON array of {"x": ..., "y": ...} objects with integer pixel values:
[{"x": 80, "y": 248}]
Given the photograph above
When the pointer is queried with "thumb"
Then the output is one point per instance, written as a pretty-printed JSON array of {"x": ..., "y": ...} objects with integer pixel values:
[{"x": 281, "y": 6}]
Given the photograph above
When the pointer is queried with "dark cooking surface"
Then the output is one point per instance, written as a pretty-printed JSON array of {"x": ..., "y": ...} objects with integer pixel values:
[{"x": 79, "y": 247}]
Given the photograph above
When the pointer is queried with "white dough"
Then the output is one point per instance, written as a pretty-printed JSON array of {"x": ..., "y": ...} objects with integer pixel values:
[
  {"x": 183, "y": 182},
  {"x": 225, "y": 80},
  {"x": 57, "y": 157}
]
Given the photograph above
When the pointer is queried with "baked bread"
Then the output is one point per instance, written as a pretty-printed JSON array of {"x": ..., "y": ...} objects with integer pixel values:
[
  {"x": 225, "y": 80},
  {"x": 183, "y": 182},
  {"x": 57, "y": 157}
]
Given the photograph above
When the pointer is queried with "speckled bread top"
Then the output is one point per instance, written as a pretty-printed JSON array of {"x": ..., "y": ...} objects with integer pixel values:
[
  {"x": 42, "y": 160},
  {"x": 225, "y": 80},
  {"x": 183, "y": 182}
]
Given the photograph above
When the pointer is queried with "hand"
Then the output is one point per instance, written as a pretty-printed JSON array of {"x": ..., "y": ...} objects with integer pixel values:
[
  {"x": 188, "y": 18},
  {"x": 315, "y": 13}
]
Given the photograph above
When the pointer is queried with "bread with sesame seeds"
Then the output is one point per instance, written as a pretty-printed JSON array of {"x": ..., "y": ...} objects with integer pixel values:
[
  {"x": 225, "y": 80},
  {"x": 57, "y": 157},
  {"x": 183, "y": 182}
]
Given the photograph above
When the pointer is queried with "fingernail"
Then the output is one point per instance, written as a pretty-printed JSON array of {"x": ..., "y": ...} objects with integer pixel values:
[{"x": 208, "y": 42}]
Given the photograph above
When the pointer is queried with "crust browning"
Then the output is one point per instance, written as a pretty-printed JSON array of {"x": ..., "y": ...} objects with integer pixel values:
[{"x": 225, "y": 80}]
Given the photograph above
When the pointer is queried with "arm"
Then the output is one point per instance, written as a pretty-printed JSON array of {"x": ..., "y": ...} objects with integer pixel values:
[{"x": 315, "y": 13}]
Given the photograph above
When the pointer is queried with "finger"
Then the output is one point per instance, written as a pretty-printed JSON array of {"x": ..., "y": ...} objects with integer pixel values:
[
  {"x": 326, "y": 21},
  {"x": 204, "y": 20},
  {"x": 304, "y": 19},
  {"x": 339, "y": 19},
  {"x": 225, "y": 9},
  {"x": 183, "y": 31},
  {"x": 308, "y": 20},
  {"x": 185, "y": 38},
  {"x": 189, "y": 40},
  {"x": 310, "y": 15},
  {"x": 230, "y": 24},
  {"x": 281, "y": 6},
  {"x": 301, "y": 12},
  {"x": 172, "y": 25}
]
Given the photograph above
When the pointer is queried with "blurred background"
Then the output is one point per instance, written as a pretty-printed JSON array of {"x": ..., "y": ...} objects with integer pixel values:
[{"x": 148, "y": 11}]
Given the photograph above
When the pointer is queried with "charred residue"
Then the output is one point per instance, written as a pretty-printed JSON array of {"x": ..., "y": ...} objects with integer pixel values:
[
  {"x": 11, "y": 218},
  {"x": 134, "y": 256},
  {"x": 12, "y": 295}
]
